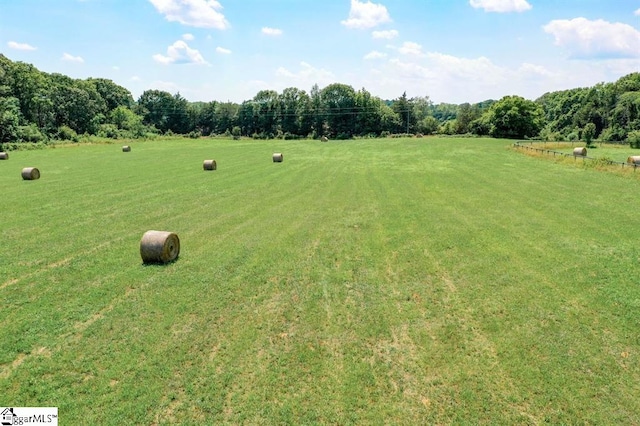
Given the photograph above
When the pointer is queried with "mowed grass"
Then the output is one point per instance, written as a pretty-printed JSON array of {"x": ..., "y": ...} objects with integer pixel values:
[{"x": 402, "y": 281}]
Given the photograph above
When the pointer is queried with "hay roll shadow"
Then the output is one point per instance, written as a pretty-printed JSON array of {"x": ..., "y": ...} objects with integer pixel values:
[
  {"x": 159, "y": 247},
  {"x": 278, "y": 157},
  {"x": 30, "y": 173},
  {"x": 634, "y": 159},
  {"x": 126, "y": 148},
  {"x": 580, "y": 152},
  {"x": 209, "y": 165},
  {"x": 4, "y": 155}
]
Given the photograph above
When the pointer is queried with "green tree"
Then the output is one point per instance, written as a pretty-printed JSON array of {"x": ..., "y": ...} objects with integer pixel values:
[
  {"x": 318, "y": 124},
  {"x": 402, "y": 107},
  {"x": 428, "y": 125},
  {"x": 368, "y": 114},
  {"x": 515, "y": 117},
  {"x": 226, "y": 117},
  {"x": 77, "y": 104},
  {"x": 464, "y": 117},
  {"x": 588, "y": 133},
  {"x": 267, "y": 112},
  {"x": 9, "y": 119},
  {"x": 339, "y": 102},
  {"x": 164, "y": 111},
  {"x": 292, "y": 105},
  {"x": 113, "y": 95}
]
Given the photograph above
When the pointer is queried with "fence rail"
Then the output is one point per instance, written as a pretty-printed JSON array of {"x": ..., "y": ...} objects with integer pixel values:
[{"x": 575, "y": 157}]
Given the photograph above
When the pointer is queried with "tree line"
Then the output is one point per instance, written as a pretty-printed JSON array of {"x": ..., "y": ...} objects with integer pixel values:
[{"x": 38, "y": 107}]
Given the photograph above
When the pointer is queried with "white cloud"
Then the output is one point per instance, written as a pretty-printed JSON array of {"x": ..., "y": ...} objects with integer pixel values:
[
  {"x": 447, "y": 78},
  {"x": 188, "y": 37},
  {"x": 366, "y": 15},
  {"x": 480, "y": 70},
  {"x": 595, "y": 39},
  {"x": 637, "y": 12},
  {"x": 501, "y": 6},
  {"x": 194, "y": 13},
  {"x": 307, "y": 76},
  {"x": 180, "y": 53},
  {"x": 411, "y": 48},
  {"x": 167, "y": 86},
  {"x": 534, "y": 70},
  {"x": 271, "y": 31},
  {"x": 442, "y": 77},
  {"x": 375, "y": 55},
  {"x": 223, "y": 50},
  {"x": 135, "y": 78},
  {"x": 115, "y": 68},
  {"x": 387, "y": 35},
  {"x": 70, "y": 58},
  {"x": 20, "y": 46}
]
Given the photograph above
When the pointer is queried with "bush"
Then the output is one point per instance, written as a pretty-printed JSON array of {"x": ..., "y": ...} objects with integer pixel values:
[
  {"x": 194, "y": 134},
  {"x": 260, "y": 136},
  {"x": 108, "y": 131},
  {"x": 588, "y": 133},
  {"x": 573, "y": 137},
  {"x": 633, "y": 138},
  {"x": 30, "y": 133},
  {"x": 613, "y": 134},
  {"x": 290, "y": 136},
  {"x": 66, "y": 133},
  {"x": 385, "y": 134}
]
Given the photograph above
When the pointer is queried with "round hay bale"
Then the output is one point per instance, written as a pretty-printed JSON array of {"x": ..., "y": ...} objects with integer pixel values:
[
  {"x": 159, "y": 247},
  {"x": 324, "y": 139},
  {"x": 419, "y": 135},
  {"x": 277, "y": 157},
  {"x": 634, "y": 159},
  {"x": 30, "y": 173},
  {"x": 126, "y": 148},
  {"x": 4, "y": 155},
  {"x": 209, "y": 165},
  {"x": 580, "y": 152}
]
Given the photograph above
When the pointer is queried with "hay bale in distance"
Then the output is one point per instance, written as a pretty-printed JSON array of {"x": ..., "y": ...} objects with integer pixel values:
[
  {"x": 209, "y": 165},
  {"x": 634, "y": 159},
  {"x": 126, "y": 148},
  {"x": 30, "y": 173},
  {"x": 324, "y": 139},
  {"x": 278, "y": 157},
  {"x": 4, "y": 155},
  {"x": 159, "y": 247},
  {"x": 419, "y": 135},
  {"x": 580, "y": 152}
]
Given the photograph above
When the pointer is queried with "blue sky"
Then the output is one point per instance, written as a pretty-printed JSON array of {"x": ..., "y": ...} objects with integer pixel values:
[{"x": 449, "y": 50}]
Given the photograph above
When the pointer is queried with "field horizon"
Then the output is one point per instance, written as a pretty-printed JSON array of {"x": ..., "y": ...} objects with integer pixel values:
[{"x": 404, "y": 281}]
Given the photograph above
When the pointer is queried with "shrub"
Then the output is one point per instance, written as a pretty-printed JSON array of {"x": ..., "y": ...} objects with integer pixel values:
[
  {"x": 290, "y": 136},
  {"x": 573, "y": 136},
  {"x": 66, "y": 133},
  {"x": 108, "y": 131},
  {"x": 588, "y": 133},
  {"x": 30, "y": 133},
  {"x": 633, "y": 138},
  {"x": 613, "y": 134}
]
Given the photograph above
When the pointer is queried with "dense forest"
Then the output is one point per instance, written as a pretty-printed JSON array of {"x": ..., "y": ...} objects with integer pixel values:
[{"x": 37, "y": 107}]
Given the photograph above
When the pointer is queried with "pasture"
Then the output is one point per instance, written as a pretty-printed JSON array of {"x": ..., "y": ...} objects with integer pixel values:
[{"x": 402, "y": 281}]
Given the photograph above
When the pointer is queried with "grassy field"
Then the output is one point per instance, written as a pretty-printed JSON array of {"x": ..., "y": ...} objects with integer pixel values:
[{"x": 399, "y": 281}]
